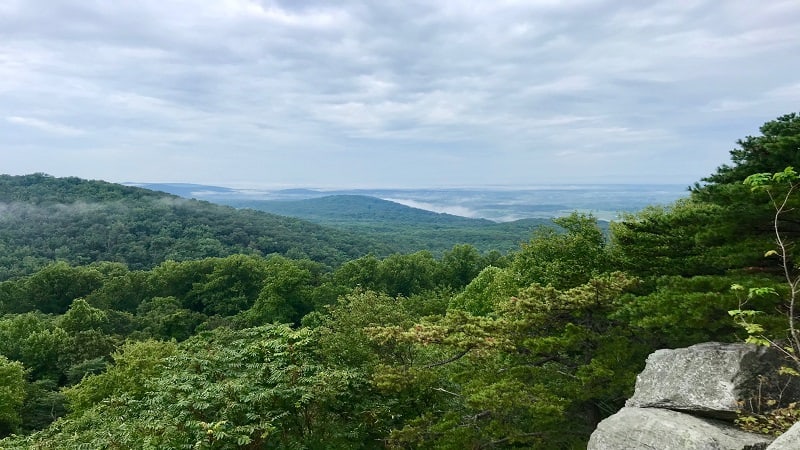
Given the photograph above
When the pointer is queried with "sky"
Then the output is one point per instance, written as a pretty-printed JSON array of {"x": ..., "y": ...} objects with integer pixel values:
[{"x": 390, "y": 93}]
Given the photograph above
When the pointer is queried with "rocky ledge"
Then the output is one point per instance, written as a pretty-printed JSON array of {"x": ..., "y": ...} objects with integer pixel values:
[{"x": 687, "y": 399}]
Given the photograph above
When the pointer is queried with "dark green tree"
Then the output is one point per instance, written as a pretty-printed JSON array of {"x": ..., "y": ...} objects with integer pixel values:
[
  {"x": 400, "y": 274},
  {"x": 286, "y": 293},
  {"x": 772, "y": 151},
  {"x": 722, "y": 226},
  {"x": 232, "y": 286},
  {"x": 460, "y": 265},
  {"x": 53, "y": 288},
  {"x": 166, "y": 318},
  {"x": 746, "y": 216}
]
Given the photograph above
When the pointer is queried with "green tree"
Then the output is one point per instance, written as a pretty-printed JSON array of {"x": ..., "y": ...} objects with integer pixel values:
[
  {"x": 177, "y": 279},
  {"x": 53, "y": 288},
  {"x": 15, "y": 329},
  {"x": 490, "y": 287},
  {"x": 232, "y": 286},
  {"x": 682, "y": 311},
  {"x": 134, "y": 364},
  {"x": 685, "y": 238},
  {"x": 166, "y": 318},
  {"x": 562, "y": 258},
  {"x": 121, "y": 291},
  {"x": 85, "y": 352},
  {"x": 781, "y": 187},
  {"x": 82, "y": 317},
  {"x": 12, "y": 395},
  {"x": 772, "y": 151},
  {"x": 41, "y": 352},
  {"x": 722, "y": 226},
  {"x": 409, "y": 274},
  {"x": 749, "y": 215},
  {"x": 361, "y": 272},
  {"x": 44, "y": 403},
  {"x": 538, "y": 372},
  {"x": 461, "y": 264},
  {"x": 343, "y": 337},
  {"x": 250, "y": 389},
  {"x": 286, "y": 293}
]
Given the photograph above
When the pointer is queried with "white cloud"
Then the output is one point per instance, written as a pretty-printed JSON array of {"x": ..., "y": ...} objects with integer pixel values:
[
  {"x": 493, "y": 92},
  {"x": 44, "y": 125},
  {"x": 443, "y": 209}
]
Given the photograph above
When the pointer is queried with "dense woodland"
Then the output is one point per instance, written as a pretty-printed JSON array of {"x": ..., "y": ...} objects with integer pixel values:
[
  {"x": 44, "y": 219},
  {"x": 181, "y": 324},
  {"x": 406, "y": 229}
]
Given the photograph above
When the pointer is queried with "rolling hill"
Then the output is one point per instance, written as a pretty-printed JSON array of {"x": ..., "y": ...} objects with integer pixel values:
[
  {"x": 43, "y": 218},
  {"x": 408, "y": 229}
]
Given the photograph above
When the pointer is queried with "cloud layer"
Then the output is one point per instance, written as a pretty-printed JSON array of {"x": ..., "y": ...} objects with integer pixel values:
[{"x": 390, "y": 93}]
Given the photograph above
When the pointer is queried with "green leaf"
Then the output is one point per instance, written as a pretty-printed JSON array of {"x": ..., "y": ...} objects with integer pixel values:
[
  {"x": 758, "y": 341},
  {"x": 758, "y": 180},
  {"x": 787, "y": 176},
  {"x": 753, "y": 328},
  {"x": 761, "y": 292}
]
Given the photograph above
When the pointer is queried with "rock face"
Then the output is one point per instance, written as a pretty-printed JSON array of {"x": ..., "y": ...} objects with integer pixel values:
[
  {"x": 789, "y": 440},
  {"x": 710, "y": 379},
  {"x": 687, "y": 399},
  {"x": 662, "y": 429}
]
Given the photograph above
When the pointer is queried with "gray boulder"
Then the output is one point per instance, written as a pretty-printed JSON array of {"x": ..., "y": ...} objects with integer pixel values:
[
  {"x": 790, "y": 440},
  {"x": 711, "y": 379},
  {"x": 662, "y": 429}
]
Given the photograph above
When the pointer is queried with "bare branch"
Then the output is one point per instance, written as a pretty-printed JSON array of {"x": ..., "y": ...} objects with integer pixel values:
[
  {"x": 447, "y": 392},
  {"x": 449, "y": 360}
]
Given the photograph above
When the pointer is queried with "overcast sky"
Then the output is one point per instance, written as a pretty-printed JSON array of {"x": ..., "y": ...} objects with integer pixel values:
[{"x": 390, "y": 93}]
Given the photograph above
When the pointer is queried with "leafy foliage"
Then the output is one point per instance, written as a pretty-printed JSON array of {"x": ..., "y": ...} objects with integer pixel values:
[
  {"x": 774, "y": 422},
  {"x": 563, "y": 259},
  {"x": 193, "y": 333},
  {"x": 12, "y": 394},
  {"x": 521, "y": 375}
]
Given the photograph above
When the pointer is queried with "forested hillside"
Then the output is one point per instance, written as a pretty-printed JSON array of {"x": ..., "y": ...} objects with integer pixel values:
[
  {"x": 43, "y": 218},
  {"x": 463, "y": 350},
  {"x": 409, "y": 229},
  {"x": 359, "y": 208}
]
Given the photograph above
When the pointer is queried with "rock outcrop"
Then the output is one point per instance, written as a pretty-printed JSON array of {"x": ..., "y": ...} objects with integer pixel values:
[
  {"x": 789, "y": 440},
  {"x": 710, "y": 379},
  {"x": 661, "y": 429},
  {"x": 687, "y": 399}
]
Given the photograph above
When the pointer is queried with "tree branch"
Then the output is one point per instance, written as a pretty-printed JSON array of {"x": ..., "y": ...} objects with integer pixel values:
[{"x": 449, "y": 360}]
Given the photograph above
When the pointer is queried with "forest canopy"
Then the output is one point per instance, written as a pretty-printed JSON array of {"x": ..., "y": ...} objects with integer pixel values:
[
  {"x": 43, "y": 218},
  {"x": 301, "y": 342}
]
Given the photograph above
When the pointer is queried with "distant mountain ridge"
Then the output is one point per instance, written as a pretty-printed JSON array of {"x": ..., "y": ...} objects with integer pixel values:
[
  {"x": 499, "y": 204},
  {"x": 416, "y": 219},
  {"x": 404, "y": 228},
  {"x": 349, "y": 207},
  {"x": 44, "y": 219},
  {"x": 409, "y": 229}
]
